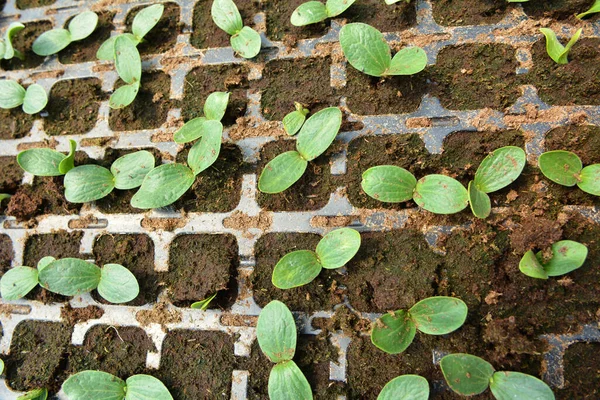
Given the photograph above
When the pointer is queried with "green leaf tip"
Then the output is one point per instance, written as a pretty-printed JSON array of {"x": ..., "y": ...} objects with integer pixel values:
[
  {"x": 405, "y": 387},
  {"x": 203, "y": 304},
  {"x": 555, "y": 49},
  {"x": 595, "y": 8}
]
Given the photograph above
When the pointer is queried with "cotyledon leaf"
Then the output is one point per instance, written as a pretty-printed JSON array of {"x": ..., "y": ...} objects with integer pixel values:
[
  {"x": 500, "y": 168},
  {"x": 227, "y": 16},
  {"x": 216, "y": 105},
  {"x": 82, "y": 25},
  {"x": 246, "y": 42},
  {"x": 480, "y": 202},
  {"x": 365, "y": 48},
  {"x": 531, "y": 266},
  {"x": 336, "y": 7},
  {"x": 567, "y": 256},
  {"x": 146, "y": 19},
  {"x": 51, "y": 42},
  {"x": 117, "y": 284},
  {"x": 388, "y": 183},
  {"x": 408, "y": 61},
  {"x": 70, "y": 276},
  {"x": 127, "y": 60},
  {"x": 124, "y": 96},
  {"x": 146, "y": 387},
  {"x": 87, "y": 385},
  {"x": 405, "y": 387},
  {"x": 589, "y": 179},
  {"x": 466, "y": 374},
  {"x": 441, "y": 194},
  {"x": 562, "y": 167},
  {"x": 296, "y": 269},
  {"x": 11, "y": 94},
  {"x": 393, "y": 333},
  {"x": 68, "y": 163},
  {"x": 506, "y": 385},
  {"x": 35, "y": 99},
  {"x": 287, "y": 382},
  {"x": 338, "y": 247},
  {"x": 318, "y": 132},
  {"x": 276, "y": 332},
  {"x": 282, "y": 172},
  {"x": 308, "y": 13},
  {"x": 41, "y": 162},
  {"x": 87, "y": 183},
  {"x": 163, "y": 186},
  {"x": 130, "y": 170},
  {"x": 205, "y": 151},
  {"x": 439, "y": 315},
  {"x": 17, "y": 282}
]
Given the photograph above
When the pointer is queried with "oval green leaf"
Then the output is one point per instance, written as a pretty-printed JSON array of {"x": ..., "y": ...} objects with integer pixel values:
[
  {"x": 405, "y": 387},
  {"x": 106, "y": 52},
  {"x": 276, "y": 332},
  {"x": 68, "y": 163},
  {"x": 146, "y": 19},
  {"x": 530, "y": 266},
  {"x": 318, "y": 133},
  {"x": 51, "y": 42},
  {"x": 70, "y": 276},
  {"x": 466, "y": 374},
  {"x": 408, "y": 61},
  {"x": 590, "y": 179},
  {"x": 41, "y": 162},
  {"x": 35, "y": 99},
  {"x": 192, "y": 130},
  {"x": 11, "y": 94},
  {"x": 87, "y": 183},
  {"x": 1, "y": 367},
  {"x": 500, "y": 168},
  {"x": 127, "y": 60},
  {"x": 131, "y": 169},
  {"x": 389, "y": 184},
  {"x": 35, "y": 394},
  {"x": 287, "y": 382},
  {"x": 226, "y": 15},
  {"x": 146, "y": 387},
  {"x": 365, "y": 48},
  {"x": 163, "y": 186},
  {"x": 44, "y": 262},
  {"x": 567, "y": 256},
  {"x": 88, "y": 385},
  {"x": 516, "y": 385},
  {"x": 246, "y": 42},
  {"x": 83, "y": 25},
  {"x": 282, "y": 172},
  {"x": 205, "y": 152},
  {"x": 338, "y": 247},
  {"x": 480, "y": 202},
  {"x": 216, "y": 105},
  {"x": 124, "y": 96},
  {"x": 308, "y": 13},
  {"x": 296, "y": 269},
  {"x": 441, "y": 194},
  {"x": 439, "y": 315},
  {"x": 393, "y": 333},
  {"x": 117, "y": 284},
  {"x": 562, "y": 167},
  {"x": 336, "y": 7},
  {"x": 17, "y": 282},
  {"x": 293, "y": 121}
]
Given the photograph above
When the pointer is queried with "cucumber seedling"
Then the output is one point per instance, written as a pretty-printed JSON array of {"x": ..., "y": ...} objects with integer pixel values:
[
  {"x": 91, "y": 385},
  {"x": 567, "y": 256},
  {"x": 293, "y": 121},
  {"x": 303, "y": 266},
  {"x": 71, "y": 277},
  {"x": 129, "y": 67},
  {"x": 313, "y": 12},
  {"x": 53, "y": 41},
  {"x": 276, "y": 335},
  {"x": 555, "y": 49},
  {"x": 245, "y": 41},
  {"x": 565, "y": 168},
  {"x": 47, "y": 162},
  {"x": 203, "y": 304},
  {"x": 405, "y": 387},
  {"x": 315, "y": 136},
  {"x": 366, "y": 50},
  {"x": 7, "y": 51},
  {"x": 12, "y": 95},
  {"x": 440, "y": 315},
  {"x": 35, "y": 394},
  {"x": 595, "y": 8},
  {"x": 470, "y": 375}
]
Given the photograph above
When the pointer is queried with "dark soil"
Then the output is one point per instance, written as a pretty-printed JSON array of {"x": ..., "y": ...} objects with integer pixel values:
[
  {"x": 85, "y": 50},
  {"x": 197, "y": 365},
  {"x": 474, "y": 76},
  {"x": 6, "y": 253},
  {"x": 16, "y": 123},
  {"x": 567, "y": 84},
  {"x": 136, "y": 253},
  {"x": 467, "y": 12},
  {"x": 582, "y": 140},
  {"x": 279, "y": 26},
  {"x": 321, "y": 294},
  {"x": 202, "y": 81},
  {"x": 559, "y": 9},
  {"x": 206, "y": 34},
  {"x": 23, "y": 41},
  {"x": 311, "y": 192},
  {"x": 164, "y": 35},
  {"x": 582, "y": 377},
  {"x": 150, "y": 107},
  {"x": 25, "y": 4},
  {"x": 12, "y": 175},
  {"x": 199, "y": 266},
  {"x": 386, "y": 18},
  {"x": 72, "y": 316},
  {"x": 73, "y": 106}
]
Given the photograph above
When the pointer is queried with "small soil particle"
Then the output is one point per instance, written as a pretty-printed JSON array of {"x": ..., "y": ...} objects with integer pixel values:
[
  {"x": 16, "y": 123},
  {"x": 199, "y": 266},
  {"x": 23, "y": 41},
  {"x": 164, "y": 34},
  {"x": 85, "y": 50},
  {"x": 25, "y": 4},
  {"x": 279, "y": 26},
  {"x": 73, "y": 106},
  {"x": 72, "y": 316},
  {"x": 559, "y": 9},
  {"x": 467, "y": 12},
  {"x": 386, "y": 18},
  {"x": 6, "y": 253},
  {"x": 582, "y": 377}
]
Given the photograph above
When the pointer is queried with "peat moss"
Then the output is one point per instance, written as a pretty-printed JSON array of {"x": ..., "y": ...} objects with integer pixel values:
[
  {"x": 23, "y": 42},
  {"x": 559, "y": 9},
  {"x": 164, "y": 34},
  {"x": 279, "y": 27},
  {"x": 582, "y": 140},
  {"x": 6, "y": 253},
  {"x": 12, "y": 174},
  {"x": 85, "y": 50},
  {"x": 25, "y": 4},
  {"x": 386, "y": 18},
  {"x": 582, "y": 377},
  {"x": 206, "y": 34},
  {"x": 468, "y": 12},
  {"x": 15, "y": 123}
]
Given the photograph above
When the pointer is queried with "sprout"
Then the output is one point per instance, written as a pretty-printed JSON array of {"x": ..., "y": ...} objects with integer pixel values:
[
  {"x": 394, "y": 332},
  {"x": 203, "y": 304},
  {"x": 244, "y": 40},
  {"x": 315, "y": 136},
  {"x": 35, "y": 394},
  {"x": 53, "y": 41},
  {"x": 567, "y": 256},
  {"x": 405, "y": 387},
  {"x": 314, "y": 12},
  {"x": 71, "y": 277},
  {"x": 594, "y": 9},
  {"x": 7, "y": 51},
  {"x": 129, "y": 68},
  {"x": 12, "y": 95},
  {"x": 294, "y": 120},
  {"x": 276, "y": 335},
  {"x": 90, "y": 385},
  {"x": 555, "y": 49},
  {"x": 366, "y": 50},
  {"x": 469, "y": 375},
  {"x": 303, "y": 266},
  {"x": 47, "y": 162},
  {"x": 566, "y": 168}
]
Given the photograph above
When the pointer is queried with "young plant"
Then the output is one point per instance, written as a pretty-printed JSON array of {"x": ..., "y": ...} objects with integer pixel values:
[
  {"x": 71, "y": 277},
  {"x": 593, "y": 10},
  {"x": 143, "y": 22},
  {"x": 35, "y": 394},
  {"x": 303, "y": 266},
  {"x": 53, "y": 41},
  {"x": 469, "y": 375},
  {"x": 567, "y": 256},
  {"x": 129, "y": 68},
  {"x": 293, "y": 121},
  {"x": 87, "y": 183},
  {"x": 47, "y": 162},
  {"x": 566, "y": 168},
  {"x": 314, "y": 12},
  {"x": 12, "y": 95},
  {"x": 315, "y": 136},
  {"x": 7, "y": 51},
  {"x": 498, "y": 170},
  {"x": 366, "y": 50},
  {"x": 394, "y": 332},
  {"x": 555, "y": 49},
  {"x": 276, "y": 335},
  {"x": 203, "y": 304},
  {"x": 245, "y": 41},
  {"x": 405, "y": 387},
  {"x": 98, "y": 385}
]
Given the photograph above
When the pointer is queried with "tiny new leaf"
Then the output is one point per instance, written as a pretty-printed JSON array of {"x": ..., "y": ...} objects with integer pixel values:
[
  {"x": 318, "y": 132},
  {"x": 287, "y": 382},
  {"x": 17, "y": 282},
  {"x": 500, "y": 168},
  {"x": 389, "y": 184},
  {"x": 282, "y": 172},
  {"x": 145, "y": 20},
  {"x": 276, "y": 332},
  {"x": 516, "y": 385},
  {"x": 595, "y": 8},
  {"x": 35, "y": 394},
  {"x": 130, "y": 170},
  {"x": 293, "y": 121},
  {"x": 163, "y": 186},
  {"x": 146, "y": 387},
  {"x": 88, "y": 385},
  {"x": 296, "y": 269},
  {"x": 393, "y": 333},
  {"x": 70, "y": 276},
  {"x": 203, "y": 304},
  {"x": 338, "y": 247},
  {"x": 562, "y": 167},
  {"x": 555, "y": 49},
  {"x": 68, "y": 163},
  {"x": 441, "y": 194},
  {"x": 7, "y": 51},
  {"x": 117, "y": 284},
  {"x": 466, "y": 374},
  {"x": 405, "y": 387},
  {"x": 87, "y": 183}
]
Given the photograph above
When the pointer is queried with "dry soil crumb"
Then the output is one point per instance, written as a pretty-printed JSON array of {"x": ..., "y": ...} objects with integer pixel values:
[
  {"x": 166, "y": 224},
  {"x": 162, "y": 314},
  {"x": 248, "y": 127},
  {"x": 49, "y": 143},
  {"x": 322, "y": 221},
  {"x": 73, "y": 316},
  {"x": 242, "y": 221},
  {"x": 418, "y": 122}
]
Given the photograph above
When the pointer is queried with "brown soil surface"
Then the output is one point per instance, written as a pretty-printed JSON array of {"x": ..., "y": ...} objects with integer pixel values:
[
  {"x": 12, "y": 175},
  {"x": 559, "y": 9},
  {"x": 6, "y": 253},
  {"x": 85, "y": 50},
  {"x": 164, "y": 35},
  {"x": 16, "y": 123},
  {"x": 72, "y": 316},
  {"x": 279, "y": 26},
  {"x": 582, "y": 140},
  {"x": 25, "y": 4},
  {"x": 23, "y": 41},
  {"x": 582, "y": 378},
  {"x": 467, "y": 12},
  {"x": 386, "y": 18}
]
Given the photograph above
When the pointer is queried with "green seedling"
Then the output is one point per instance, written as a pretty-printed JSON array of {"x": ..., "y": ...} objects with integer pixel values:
[
  {"x": 47, "y": 162},
  {"x": 567, "y": 256},
  {"x": 595, "y": 8},
  {"x": 87, "y": 183},
  {"x": 314, "y": 12},
  {"x": 394, "y": 332},
  {"x": 245, "y": 41},
  {"x": 498, "y": 170},
  {"x": 71, "y": 277},
  {"x": 53, "y": 41},
  {"x": 555, "y": 49},
  {"x": 203, "y": 304},
  {"x": 366, "y": 50},
  {"x": 143, "y": 22},
  {"x": 129, "y": 68},
  {"x": 99, "y": 385},
  {"x": 566, "y": 168},
  {"x": 35, "y": 394},
  {"x": 12, "y": 95},
  {"x": 7, "y": 51},
  {"x": 276, "y": 335},
  {"x": 405, "y": 387},
  {"x": 315, "y": 136},
  {"x": 303, "y": 266},
  {"x": 292, "y": 123},
  {"x": 469, "y": 375}
]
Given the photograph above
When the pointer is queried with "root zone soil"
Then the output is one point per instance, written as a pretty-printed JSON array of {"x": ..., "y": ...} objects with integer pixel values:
[{"x": 480, "y": 92}]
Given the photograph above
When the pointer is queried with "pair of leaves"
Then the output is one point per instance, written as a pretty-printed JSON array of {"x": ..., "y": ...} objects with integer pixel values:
[
  {"x": 469, "y": 375},
  {"x": 405, "y": 387},
  {"x": 88, "y": 385},
  {"x": 12, "y": 95},
  {"x": 567, "y": 256},
  {"x": 303, "y": 266},
  {"x": 566, "y": 168},
  {"x": 47, "y": 162},
  {"x": 394, "y": 332},
  {"x": 92, "y": 182},
  {"x": 555, "y": 49},
  {"x": 292, "y": 122},
  {"x": 314, "y": 12},
  {"x": 129, "y": 67},
  {"x": 53, "y": 41},
  {"x": 245, "y": 41},
  {"x": 366, "y": 50},
  {"x": 315, "y": 136},
  {"x": 595, "y": 8},
  {"x": 7, "y": 51}
]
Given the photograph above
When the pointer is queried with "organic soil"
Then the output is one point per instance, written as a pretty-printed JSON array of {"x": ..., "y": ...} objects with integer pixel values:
[
  {"x": 25, "y": 4},
  {"x": 279, "y": 27},
  {"x": 582, "y": 378},
  {"x": 164, "y": 34},
  {"x": 559, "y": 9},
  {"x": 85, "y": 50},
  {"x": 12, "y": 175},
  {"x": 23, "y": 41},
  {"x": 16, "y": 124},
  {"x": 75, "y": 315},
  {"x": 384, "y": 17},
  {"x": 468, "y": 12},
  {"x": 6, "y": 253}
]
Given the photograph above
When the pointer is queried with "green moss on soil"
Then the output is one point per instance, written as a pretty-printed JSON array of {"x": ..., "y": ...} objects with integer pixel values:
[
  {"x": 582, "y": 377},
  {"x": 85, "y": 50},
  {"x": 164, "y": 35}
]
